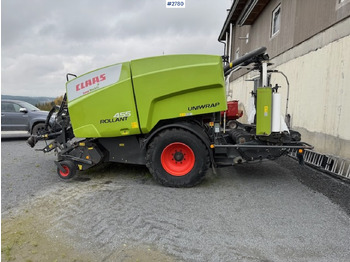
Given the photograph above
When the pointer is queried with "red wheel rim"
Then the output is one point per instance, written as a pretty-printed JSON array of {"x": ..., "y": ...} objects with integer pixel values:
[
  {"x": 177, "y": 159},
  {"x": 66, "y": 173}
]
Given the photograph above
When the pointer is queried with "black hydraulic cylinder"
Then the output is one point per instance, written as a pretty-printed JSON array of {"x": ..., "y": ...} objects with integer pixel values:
[{"x": 244, "y": 60}]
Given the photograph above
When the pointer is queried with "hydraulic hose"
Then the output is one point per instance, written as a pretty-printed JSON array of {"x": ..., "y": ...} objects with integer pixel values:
[
  {"x": 53, "y": 109},
  {"x": 287, "y": 100}
]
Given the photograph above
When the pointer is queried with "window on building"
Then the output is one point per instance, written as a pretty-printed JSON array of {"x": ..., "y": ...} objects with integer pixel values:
[{"x": 276, "y": 21}]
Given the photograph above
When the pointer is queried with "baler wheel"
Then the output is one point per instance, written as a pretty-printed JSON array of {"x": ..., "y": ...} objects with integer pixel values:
[
  {"x": 70, "y": 170},
  {"x": 177, "y": 158}
]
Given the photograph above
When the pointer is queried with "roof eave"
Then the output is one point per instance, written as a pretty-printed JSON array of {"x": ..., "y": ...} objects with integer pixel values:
[
  {"x": 231, "y": 17},
  {"x": 242, "y": 12}
]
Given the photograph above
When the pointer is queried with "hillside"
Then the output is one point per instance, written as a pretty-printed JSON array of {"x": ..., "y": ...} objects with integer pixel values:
[{"x": 30, "y": 99}]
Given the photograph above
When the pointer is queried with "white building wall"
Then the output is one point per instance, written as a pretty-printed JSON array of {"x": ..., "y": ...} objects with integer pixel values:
[{"x": 319, "y": 101}]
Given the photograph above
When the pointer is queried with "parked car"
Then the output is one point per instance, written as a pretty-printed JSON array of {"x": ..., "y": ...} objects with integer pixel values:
[{"x": 21, "y": 116}]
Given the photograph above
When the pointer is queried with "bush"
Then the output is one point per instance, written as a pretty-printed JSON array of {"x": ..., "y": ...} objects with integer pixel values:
[{"x": 48, "y": 105}]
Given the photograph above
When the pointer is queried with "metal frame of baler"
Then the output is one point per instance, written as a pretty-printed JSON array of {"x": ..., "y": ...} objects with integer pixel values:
[{"x": 260, "y": 61}]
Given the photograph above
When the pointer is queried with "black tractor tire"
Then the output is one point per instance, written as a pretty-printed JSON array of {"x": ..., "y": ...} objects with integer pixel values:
[
  {"x": 70, "y": 170},
  {"x": 177, "y": 158},
  {"x": 38, "y": 129}
]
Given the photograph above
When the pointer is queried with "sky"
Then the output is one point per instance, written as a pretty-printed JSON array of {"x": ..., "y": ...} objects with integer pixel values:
[{"x": 43, "y": 40}]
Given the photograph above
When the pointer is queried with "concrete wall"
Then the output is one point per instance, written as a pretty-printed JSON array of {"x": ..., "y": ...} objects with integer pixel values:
[{"x": 319, "y": 102}]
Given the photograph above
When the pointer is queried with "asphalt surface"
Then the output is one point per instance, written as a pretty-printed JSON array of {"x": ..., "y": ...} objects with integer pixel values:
[{"x": 268, "y": 211}]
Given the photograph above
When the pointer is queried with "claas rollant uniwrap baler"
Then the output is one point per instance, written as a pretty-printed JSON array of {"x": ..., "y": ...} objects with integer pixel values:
[{"x": 168, "y": 113}]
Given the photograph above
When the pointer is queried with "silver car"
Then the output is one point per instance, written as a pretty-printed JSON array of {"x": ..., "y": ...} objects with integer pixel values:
[{"x": 21, "y": 116}]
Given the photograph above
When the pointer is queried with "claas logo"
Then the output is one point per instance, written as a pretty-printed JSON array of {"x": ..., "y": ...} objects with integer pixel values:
[{"x": 90, "y": 82}]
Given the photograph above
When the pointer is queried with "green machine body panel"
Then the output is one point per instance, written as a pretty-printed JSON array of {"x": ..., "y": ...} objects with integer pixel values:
[
  {"x": 173, "y": 86},
  {"x": 132, "y": 97},
  {"x": 264, "y": 111},
  {"x": 101, "y": 103}
]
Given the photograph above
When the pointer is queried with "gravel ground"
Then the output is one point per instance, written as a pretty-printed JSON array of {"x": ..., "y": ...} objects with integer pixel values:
[
  {"x": 336, "y": 189},
  {"x": 269, "y": 211}
]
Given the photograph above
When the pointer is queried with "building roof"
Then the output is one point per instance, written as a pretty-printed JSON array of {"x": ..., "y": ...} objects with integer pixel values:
[{"x": 242, "y": 12}]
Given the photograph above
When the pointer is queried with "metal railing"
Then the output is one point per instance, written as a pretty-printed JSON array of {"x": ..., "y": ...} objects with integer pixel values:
[{"x": 327, "y": 163}]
